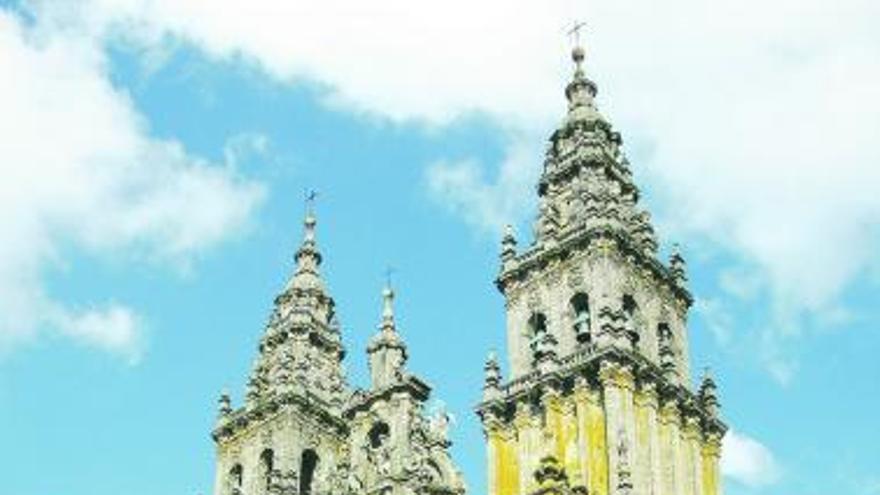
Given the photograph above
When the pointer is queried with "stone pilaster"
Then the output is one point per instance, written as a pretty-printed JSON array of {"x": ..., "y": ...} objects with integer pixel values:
[
  {"x": 617, "y": 387},
  {"x": 649, "y": 474},
  {"x": 711, "y": 456},
  {"x": 670, "y": 421}
]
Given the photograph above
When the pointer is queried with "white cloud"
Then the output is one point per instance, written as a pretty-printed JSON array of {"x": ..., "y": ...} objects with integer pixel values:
[
  {"x": 756, "y": 131},
  {"x": 114, "y": 329},
  {"x": 747, "y": 461},
  {"x": 80, "y": 170},
  {"x": 486, "y": 205}
]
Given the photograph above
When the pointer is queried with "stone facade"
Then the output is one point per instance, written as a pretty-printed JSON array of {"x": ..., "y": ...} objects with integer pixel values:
[
  {"x": 599, "y": 397},
  {"x": 303, "y": 431}
]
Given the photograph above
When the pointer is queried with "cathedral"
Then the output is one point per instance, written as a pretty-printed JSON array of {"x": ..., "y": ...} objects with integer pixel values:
[{"x": 598, "y": 400}]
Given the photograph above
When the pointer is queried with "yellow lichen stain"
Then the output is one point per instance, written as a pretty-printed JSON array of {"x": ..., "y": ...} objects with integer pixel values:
[
  {"x": 495, "y": 462},
  {"x": 598, "y": 450},
  {"x": 667, "y": 455},
  {"x": 512, "y": 467},
  {"x": 506, "y": 463},
  {"x": 570, "y": 458},
  {"x": 710, "y": 469}
]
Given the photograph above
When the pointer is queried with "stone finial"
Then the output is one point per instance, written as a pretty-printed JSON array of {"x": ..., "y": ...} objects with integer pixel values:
[
  {"x": 224, "y": 404},
  {"x": 708, "y": 394},
  {"x": 667, "y": 354},
  {"x": 677, "y": 266},
  {"x": 388, "y": 308},
  {"x": 308, "y": 258},
  {"x": 492, "y": 381},
  {"x": 508, "y": 245},
  {"x": 387, "y": 351},
  {"x": 581, "y": 91}
]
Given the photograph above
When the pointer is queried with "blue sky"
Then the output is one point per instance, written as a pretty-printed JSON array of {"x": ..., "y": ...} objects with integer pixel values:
[{"x": 156, "y": 155}]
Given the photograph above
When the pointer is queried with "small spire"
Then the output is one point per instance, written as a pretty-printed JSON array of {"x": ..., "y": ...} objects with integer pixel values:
[
  {"x": 508, "y": 244},
  {"x": 492, "y": 380},
  {"x": 308, "y": 258},
  {"x": 581, "y": 91},
  {"x": 709, "y": 393},
  {"x": 225, "y": 404},
  {"x": 386, "y": 350},
  {"x": 677, "y": 266},
  {"x": 388, "y": 308},
  {"x": 387, "y": 336}
]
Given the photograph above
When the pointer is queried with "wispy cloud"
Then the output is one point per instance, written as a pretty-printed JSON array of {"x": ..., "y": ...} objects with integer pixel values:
[
  {"x": 487, "y": 205},
  {"x": 80, "y": 168},
  {"x": 113, "y": 329}
]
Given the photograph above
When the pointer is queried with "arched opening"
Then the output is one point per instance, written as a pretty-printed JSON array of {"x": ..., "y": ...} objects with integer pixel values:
[
  {"x": 307, "y": 468},
  {"x": 267, "y": 467},
  {"x": 631, "y": 311},
  {"x": 629, "y": 305},
  {"x": 236, "y": 477},
  {"x": 665, "y": 346},
  {"x": 580, "y": 306},
  {"x": 537, "y": 327},
  {"x": 664, "y": 334},
  {"x": 379, "y": 434}
]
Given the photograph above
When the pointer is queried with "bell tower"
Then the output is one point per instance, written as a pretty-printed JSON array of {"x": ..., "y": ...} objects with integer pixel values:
[
  {"x": 599, "y": 398},
  {"x": 289, "y": 436}
]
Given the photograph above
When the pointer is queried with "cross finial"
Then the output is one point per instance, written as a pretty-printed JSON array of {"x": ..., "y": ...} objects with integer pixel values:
[
  {"x": 310, "y": 196},
  {"x": 389, "y": 271},
  {"x": 575, "y": 32}
]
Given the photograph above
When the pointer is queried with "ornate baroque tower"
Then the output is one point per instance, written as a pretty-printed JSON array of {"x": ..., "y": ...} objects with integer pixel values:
[
  {"x": 302, "y": 431},
  {"x": 599, "y": 399}
]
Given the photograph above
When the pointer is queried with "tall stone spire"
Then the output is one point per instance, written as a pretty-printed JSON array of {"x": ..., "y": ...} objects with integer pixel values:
[{"x": 301, "y": 351}]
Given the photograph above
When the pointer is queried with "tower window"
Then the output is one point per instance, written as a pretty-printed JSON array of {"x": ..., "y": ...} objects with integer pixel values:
[
  {"x": 629, "y": 306},
  {"x": 537, "y": 326},
  {"x": 236, "y": 476},
  {"x": 267, "y": 466},
  {"x": 664, "y": 334},
  {"x": 379, "y": 434},
  {"x": 631, "y": 310},
  {"x": 308, "y": 466},
  {"x": 580, "y": 305}
]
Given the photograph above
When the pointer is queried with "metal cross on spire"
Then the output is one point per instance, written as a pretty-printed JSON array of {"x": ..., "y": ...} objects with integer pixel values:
[
  {"x": 389, "y": 271},
  {"x": 575, "y": 32},
  {"x": 310, "y": 196}
]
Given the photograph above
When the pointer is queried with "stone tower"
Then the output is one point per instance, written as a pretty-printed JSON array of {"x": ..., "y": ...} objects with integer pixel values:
[
  {"x": 303, "y": 431},
  {"x": 599, "y": 399}
]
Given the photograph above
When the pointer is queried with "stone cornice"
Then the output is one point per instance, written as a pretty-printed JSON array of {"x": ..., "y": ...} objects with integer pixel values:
[
  {"x": 580, "y": 239},
  {"x": 302, "y": 401},
  {"x": 588, "y": 365},
  {"x": 410, "y": 385}
]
